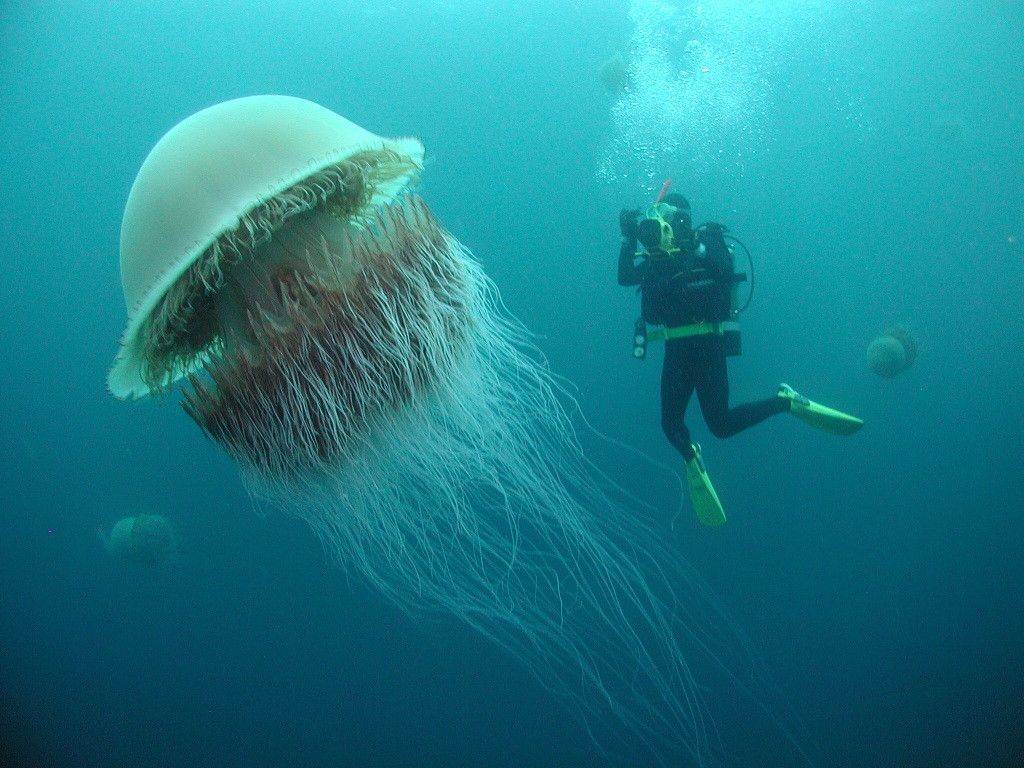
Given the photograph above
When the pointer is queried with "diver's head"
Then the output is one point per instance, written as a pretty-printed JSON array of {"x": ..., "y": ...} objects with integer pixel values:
[
  {"x": 681, "y": 212},
  {"x": 679, "y": 217},
  {"x": 678, "y": 202}
]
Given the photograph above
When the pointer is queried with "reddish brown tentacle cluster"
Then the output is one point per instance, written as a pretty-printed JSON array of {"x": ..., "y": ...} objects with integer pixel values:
[{"x": 325, "y": 357}]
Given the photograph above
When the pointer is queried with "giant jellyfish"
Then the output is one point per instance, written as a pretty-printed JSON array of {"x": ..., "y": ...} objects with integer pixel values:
[{"x": 358, "y": 366}]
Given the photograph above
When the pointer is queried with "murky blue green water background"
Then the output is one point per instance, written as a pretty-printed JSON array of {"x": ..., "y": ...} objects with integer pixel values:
[{"x": 869, "y": 153}]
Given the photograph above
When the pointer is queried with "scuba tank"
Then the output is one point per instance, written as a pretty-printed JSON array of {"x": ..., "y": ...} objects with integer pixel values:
[
  {"x": 734, "y": 244},
  {"x": 712, "y": 235}
]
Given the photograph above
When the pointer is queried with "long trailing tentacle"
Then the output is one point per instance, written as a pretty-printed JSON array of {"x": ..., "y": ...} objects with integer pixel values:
[{"x": 384, "y": 396}]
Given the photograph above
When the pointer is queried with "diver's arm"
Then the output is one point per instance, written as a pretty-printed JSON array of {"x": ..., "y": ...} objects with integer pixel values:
[{"x": 629, "y": 272}]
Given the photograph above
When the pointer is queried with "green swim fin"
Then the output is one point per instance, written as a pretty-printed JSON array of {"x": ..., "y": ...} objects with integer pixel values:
[
  {"x": 702, "y": 492},
  {"x": 819, "y": 416}
]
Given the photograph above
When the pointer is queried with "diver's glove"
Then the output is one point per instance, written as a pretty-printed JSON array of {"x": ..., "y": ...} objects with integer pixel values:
[{"x": 627, "y": 223}]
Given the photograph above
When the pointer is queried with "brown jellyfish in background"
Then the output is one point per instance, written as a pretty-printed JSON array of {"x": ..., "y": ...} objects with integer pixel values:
[
  {"x": 891, "y": 353},
  {"x": 143, "y": 540},
  {"x": 617, "y": 75}
]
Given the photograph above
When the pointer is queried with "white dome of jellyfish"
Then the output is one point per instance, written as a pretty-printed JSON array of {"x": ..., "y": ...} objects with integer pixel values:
[
  {"x": 142, "y": 540},
  {"x": 356, "y": 363}
]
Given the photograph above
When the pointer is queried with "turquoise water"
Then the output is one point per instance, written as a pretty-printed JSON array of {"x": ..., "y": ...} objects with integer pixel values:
[{"x": 870, "y": 155}]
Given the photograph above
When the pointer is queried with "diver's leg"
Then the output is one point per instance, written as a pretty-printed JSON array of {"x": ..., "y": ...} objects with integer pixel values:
[
  {"x": 683, "y": 364},
  {"x": 713, "y": 393},
  {"x": 676, "y": 388}
]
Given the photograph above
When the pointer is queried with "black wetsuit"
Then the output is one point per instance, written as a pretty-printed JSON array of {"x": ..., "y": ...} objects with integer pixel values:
[{"x": 697, "y": 362}]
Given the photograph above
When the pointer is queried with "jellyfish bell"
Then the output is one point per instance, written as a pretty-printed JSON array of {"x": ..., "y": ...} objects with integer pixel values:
[
  {"x": 214, "y": 189},
  {"x": 142, "y": 540},
  {"x": 891, "y": 353},
  {"x": 355, "y": 361},
  {"x": 617, "y": 75},
  {"x": 886, "y": 356}
]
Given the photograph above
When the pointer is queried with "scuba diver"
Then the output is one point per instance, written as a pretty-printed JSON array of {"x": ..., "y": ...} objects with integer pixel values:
[{"x": 689, "y": 289}]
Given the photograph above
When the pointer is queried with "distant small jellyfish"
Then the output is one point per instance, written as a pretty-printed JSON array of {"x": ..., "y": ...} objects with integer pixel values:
[
  {"x": 146, "y": 540},
  {"x": 617, "y": 76},
  {"x": 891, "y": 353}
]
